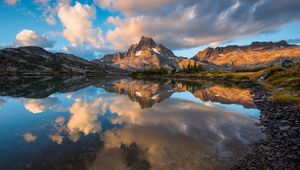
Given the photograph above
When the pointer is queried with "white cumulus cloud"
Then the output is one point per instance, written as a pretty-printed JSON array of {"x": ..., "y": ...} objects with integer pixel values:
[
  {"x": 30, "y": 38},
  {"x": 78, "y": 27}
]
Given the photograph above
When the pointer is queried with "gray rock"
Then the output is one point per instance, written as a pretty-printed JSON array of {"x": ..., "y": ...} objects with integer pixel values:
[{"x": 284, "y": 127}]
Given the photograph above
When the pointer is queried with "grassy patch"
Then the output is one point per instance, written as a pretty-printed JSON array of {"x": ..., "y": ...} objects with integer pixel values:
[
  {"x": 284, "y": 84},
  {"x": 285, "y": 98}
]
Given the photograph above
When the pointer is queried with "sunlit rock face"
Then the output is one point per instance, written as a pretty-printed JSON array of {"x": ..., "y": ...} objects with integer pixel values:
[
  {"x": 226, "y": 95},
  {"x": 145, "y": 93},
  {"x": 185, "y": 62},
  {"x": 258, "y": 54},
  {"x": 147, "y": 54}
]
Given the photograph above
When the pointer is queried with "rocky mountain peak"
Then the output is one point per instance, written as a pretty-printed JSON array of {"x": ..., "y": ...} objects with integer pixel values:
[
  {"x": 146, "y": 54},
  {"x": 146, "y": 42}
]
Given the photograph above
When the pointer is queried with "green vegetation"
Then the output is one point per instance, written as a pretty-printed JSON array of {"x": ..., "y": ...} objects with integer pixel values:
[
  {"x": 284, "y": 84},
  {"x": 191, "y": 69},
  {"x": 150, "y": 72}
]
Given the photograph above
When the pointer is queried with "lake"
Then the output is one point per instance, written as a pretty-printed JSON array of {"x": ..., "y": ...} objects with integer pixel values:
[{"x": 84, "y": 123}]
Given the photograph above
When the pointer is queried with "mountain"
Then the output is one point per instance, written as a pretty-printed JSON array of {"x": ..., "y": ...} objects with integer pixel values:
[
  {"x": 255, "y": 55},
  {"x": 225, "y": 95},
  {"x": 146, "y": 93},
  {"x": 147, "y": 54},
  {"x": 36, "y": 60}
]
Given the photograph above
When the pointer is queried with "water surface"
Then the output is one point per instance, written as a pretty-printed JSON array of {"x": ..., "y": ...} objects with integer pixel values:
[{"x": 81, "y": 123}]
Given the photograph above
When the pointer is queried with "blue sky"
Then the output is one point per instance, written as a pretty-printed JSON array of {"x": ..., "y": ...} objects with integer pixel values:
[{"x": 92, "y": 28}]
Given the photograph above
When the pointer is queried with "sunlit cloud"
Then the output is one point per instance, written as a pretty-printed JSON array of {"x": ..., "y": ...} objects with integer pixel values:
[
  {"x": 30, "y": 38},
  {"x": 11, "y": 2},
  {"x": 197, "y": 22},
  {"x": 78, "y": 28}
]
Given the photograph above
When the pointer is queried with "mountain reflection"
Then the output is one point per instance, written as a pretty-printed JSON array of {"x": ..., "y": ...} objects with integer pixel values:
[{"x": 136, "y": 124}]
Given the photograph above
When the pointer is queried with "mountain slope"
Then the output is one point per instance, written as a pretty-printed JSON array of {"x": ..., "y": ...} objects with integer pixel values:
[
  {"x": 36, "y": 60},
  {"x": 147, "y": 54},
  {"x": 257, "y": 54}
]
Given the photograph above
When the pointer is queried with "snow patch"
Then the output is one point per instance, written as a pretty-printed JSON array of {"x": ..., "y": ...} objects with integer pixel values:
[
  {"x": 138, "y": 53},
  {"x": 155, "y": 97},
  {"x": 155, "y": 50},
  {"x": 138, "y": 94}
]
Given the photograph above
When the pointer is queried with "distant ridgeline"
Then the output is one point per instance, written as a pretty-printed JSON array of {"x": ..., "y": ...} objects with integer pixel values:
[
  {"x": 149, "y": 56},
  {"x": 32, "y": 60}
]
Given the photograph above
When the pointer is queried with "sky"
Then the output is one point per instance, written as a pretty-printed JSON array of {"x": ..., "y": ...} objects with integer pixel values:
[{"x": 93, "y": 28}]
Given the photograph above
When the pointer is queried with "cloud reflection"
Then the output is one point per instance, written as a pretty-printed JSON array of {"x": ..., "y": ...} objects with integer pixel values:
[
  {"x": 29, "y": 137},
  {"x": 84, "y": 116},
  {"x": 57, "y": 138},
  {"x": 40, "y": 105},
  {"x": 208, "y": 132}
]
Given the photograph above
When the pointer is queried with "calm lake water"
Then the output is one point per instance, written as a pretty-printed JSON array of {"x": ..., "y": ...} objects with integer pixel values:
[{"x": 81, "y": 123}]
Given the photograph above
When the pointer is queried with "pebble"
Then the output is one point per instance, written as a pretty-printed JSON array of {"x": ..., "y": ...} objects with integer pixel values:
[{"x": 280, "y": 149}]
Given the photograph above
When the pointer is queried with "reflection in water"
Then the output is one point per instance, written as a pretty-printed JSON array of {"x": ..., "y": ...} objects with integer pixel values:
[
  {"x": 29, "y": 137},
  {"x": 40, "y": 105},
  {"x": 84, "y": 117},
  {"x": 2, "y": 101},
  {"x": 133, "y": 123}
]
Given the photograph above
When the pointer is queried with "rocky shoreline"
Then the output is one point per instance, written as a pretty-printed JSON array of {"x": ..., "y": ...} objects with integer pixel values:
[{"x": 281, "y": 147}]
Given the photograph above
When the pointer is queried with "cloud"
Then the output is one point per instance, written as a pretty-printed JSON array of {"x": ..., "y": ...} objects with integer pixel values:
[
  {"x": 49, "y": 10},
  {"x": 191, "y": 23},
  {"x": 11, "y": 2},
  {"x": 293, "y": 40},
  {"x": 81, "y": 51},
  {"x": 162, "y": 149},
  {"x": 77, "y": 23},
  {"x": 57, "y": 138},
  {"x": 29, "y": 137},
  {"x": 50, "y": 20},
  {"x": 31, "y": 38},
  {"x": 84, "y": 117},
  {"x": 40, "y": 105},
  {"x": 170, "y": 131}
]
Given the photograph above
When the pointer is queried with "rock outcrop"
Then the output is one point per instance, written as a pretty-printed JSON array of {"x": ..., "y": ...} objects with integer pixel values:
[
  {"x": 255, "y": 55},
  {"x": 147, "y": 54}
]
